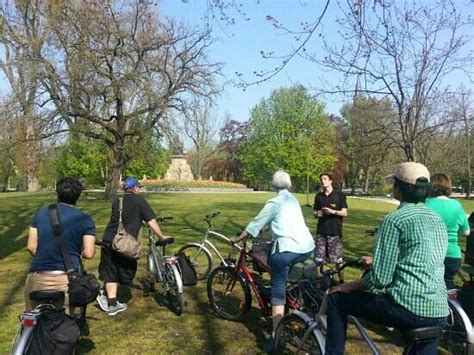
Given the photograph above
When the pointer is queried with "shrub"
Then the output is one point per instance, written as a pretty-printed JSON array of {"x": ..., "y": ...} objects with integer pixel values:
[{"x": 157, "y": 184}]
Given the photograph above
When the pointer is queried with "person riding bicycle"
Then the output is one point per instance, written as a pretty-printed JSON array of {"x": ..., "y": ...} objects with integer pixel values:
[
  {"x": 293, "y": 242},
  {"x": 406, "y": 279},
  {"x": 115, "y": 269},
  {"x": 47, "y": 270}
]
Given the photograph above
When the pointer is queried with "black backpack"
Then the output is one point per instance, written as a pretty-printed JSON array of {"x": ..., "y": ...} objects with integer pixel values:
[
  {"x": 188, "y": 272},
  {"x": 55, "y": 333}
]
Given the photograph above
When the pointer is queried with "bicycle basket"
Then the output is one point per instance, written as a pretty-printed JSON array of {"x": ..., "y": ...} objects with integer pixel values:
[{"x": 261, "y": 249}]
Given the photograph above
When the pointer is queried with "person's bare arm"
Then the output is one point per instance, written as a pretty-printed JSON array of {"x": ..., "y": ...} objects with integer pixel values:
[
  {"x": 155, "y": 227},
  {"x": 237, "y": 239},
  {"x": 329, "y": 211},
  {"x": 32, "y": 243},
  {"x": 88, "y": 246}
]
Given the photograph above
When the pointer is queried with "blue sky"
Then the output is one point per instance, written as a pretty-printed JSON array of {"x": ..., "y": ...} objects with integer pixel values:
[{"x": 238, "y": 48}]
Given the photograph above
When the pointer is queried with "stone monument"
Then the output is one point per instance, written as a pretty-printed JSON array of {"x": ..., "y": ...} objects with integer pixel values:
[{"x": 179, "y": 168}]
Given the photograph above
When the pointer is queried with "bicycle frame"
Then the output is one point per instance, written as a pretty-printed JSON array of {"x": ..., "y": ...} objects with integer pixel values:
[{"x": 157, "y": 259}]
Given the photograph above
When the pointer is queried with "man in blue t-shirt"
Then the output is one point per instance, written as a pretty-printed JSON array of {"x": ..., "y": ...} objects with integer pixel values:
[{"x": 48, "y": 271}]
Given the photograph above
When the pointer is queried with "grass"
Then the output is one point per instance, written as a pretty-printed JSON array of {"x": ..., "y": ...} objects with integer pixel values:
[{"x": 148, "y": 326}]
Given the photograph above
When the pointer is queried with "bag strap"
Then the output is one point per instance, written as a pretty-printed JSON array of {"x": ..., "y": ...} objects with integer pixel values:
[
  {"x": 120, "y": 226},
  {"x": 58, "y": 232}
]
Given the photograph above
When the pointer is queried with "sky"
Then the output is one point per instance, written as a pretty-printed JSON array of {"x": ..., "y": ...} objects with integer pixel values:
[{"x": 238, "y": 47}]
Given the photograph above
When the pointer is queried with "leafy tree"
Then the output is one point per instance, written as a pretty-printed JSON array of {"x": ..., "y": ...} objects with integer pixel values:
[
  {"x": 288, "y": 130},
  {"x": 121, "y": 75},
  {"x": 83, "y": 158},
  {"x": 365, "y": 144}
]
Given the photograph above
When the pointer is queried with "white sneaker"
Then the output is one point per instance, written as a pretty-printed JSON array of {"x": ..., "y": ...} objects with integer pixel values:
[
  {"x": 102, "y": 301},
  {"x": 119, "y": 307}
]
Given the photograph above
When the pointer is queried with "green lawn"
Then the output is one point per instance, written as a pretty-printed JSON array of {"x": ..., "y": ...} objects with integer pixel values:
[{"x": 148, "y": 326}]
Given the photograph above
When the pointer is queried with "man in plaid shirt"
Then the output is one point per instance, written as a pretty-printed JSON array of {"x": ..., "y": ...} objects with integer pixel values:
[{"x": 405, "y": 287}]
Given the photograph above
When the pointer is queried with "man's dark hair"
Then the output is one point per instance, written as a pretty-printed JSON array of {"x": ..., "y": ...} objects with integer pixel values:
[
  {"x": 69, "y": 190},
  {"x": 325, "y": 174},
  {"x": 413, "y": 193}
]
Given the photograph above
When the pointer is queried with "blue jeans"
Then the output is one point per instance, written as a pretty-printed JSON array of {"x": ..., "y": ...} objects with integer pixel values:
[
  {"x": 280, "y": 264},
  {"x": 378, "y": 309},
  {"x": 451, "y": 267}
]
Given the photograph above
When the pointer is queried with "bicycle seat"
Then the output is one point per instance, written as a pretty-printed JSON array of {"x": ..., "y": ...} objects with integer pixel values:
[
  {"x": 47, "y": 296},
  {"x": 421, "y": 334},
  {"x": 163, "y": 242}
]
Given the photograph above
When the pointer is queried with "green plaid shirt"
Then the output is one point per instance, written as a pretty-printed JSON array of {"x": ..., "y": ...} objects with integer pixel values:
[{"x": 408, "y": 260}]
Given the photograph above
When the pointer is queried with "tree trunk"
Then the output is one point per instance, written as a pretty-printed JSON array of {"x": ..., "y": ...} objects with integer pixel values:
[{"x": 113, "y": 179}]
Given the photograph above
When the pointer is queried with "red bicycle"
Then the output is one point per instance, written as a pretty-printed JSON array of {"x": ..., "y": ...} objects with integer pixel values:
[{"x": 229, "y": 288}]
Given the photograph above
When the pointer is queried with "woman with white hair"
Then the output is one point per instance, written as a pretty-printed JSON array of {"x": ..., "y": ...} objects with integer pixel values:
[{"x": 293, "y": 242}]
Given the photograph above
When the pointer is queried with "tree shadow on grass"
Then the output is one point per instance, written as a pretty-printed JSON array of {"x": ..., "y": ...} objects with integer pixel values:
[{"x": 159, "y": 295}]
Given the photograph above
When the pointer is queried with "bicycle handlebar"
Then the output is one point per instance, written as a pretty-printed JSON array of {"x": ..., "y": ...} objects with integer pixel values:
[{"x": 163, "y": 218}]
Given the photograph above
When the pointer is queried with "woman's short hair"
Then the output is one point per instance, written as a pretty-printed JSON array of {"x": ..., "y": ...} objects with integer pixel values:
[
  {"x": 441, "y": 185},
  {"x": 281, "y": 180}
]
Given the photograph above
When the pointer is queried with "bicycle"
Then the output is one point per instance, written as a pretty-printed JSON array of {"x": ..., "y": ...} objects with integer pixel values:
[
  {"x": 229, "y": 288},
  {"x": 301, "y": 332},
  {"x": 49, "y": 300},
  {"x": 199, "y": 253},
  {"x": 459, "y": 332},
  {"x": 165, "y": 269}
]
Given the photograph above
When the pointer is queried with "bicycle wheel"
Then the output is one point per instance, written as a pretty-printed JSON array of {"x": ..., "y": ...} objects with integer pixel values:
[
  {"x": 289, "y": 336},
  {"x": 455, "y": 335},
  {"x": 229, "y": 294},
  {"x": 173, "y": 290},
  {"x": 200, "y": 258}
]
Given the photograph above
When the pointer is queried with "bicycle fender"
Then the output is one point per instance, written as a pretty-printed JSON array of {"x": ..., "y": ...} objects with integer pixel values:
[
  {"x": 455, "y": 306},
  {"x": 244, "y": 281},
  {"x": 177, "y": 276}
]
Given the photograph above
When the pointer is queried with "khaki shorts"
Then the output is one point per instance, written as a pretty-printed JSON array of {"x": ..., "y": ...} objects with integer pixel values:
[
  {"x": 329, "y": 248},
  {"x": 44, "y": 282}
]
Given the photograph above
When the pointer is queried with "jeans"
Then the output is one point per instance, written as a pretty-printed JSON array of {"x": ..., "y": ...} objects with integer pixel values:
[
  {"x": 280, "y": 264},
  {"x": 378, "y": 308},
  {"x": 451, "y": 267}
]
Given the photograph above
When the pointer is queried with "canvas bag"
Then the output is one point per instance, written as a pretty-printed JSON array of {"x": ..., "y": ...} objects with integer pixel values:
[
  {"x": 124, "y": 243},
  {"x": 83, "y": 288}
]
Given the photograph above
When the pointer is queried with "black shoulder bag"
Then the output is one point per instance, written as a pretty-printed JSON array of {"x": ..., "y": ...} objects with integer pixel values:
[{"x": 83, "y": 288}]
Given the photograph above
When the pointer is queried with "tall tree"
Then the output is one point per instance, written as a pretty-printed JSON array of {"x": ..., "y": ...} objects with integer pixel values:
[
  {"x": 199, "y": 125},
  {"x": 403, "y": 50},
  {"x": 288, "y": 130},
  {"x": 121, "y": 74},
  {"x": 366, "y": 145},
  {"x": 22, "y": 36}
]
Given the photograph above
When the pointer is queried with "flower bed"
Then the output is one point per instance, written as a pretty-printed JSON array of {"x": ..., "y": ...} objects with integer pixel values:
[{"x": 177, "y": 185}]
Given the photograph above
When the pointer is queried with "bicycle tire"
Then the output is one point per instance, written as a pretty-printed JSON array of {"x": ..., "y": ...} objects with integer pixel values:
[
  {"x": 455, "y": 336},
  {"x": 200, "y": 258},
  {"x": 174, "y": 293},
  {"x": 289, "y": 336},
  {"x": 228, "y": 292}
]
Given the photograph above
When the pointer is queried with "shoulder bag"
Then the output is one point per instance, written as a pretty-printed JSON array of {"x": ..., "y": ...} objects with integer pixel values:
[
  {"x": 83, "y": 288},
  {"x": 124, "y": 243}
]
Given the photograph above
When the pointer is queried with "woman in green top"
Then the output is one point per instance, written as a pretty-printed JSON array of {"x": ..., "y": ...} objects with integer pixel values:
[{"x": 453, "y": 215}]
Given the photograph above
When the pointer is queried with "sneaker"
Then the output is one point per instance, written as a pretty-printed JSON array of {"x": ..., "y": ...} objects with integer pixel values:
[
  {"x": 119, "y": 307},
  {"x": 270, "y": 346},
  {"x": 102, "y": 301}
]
